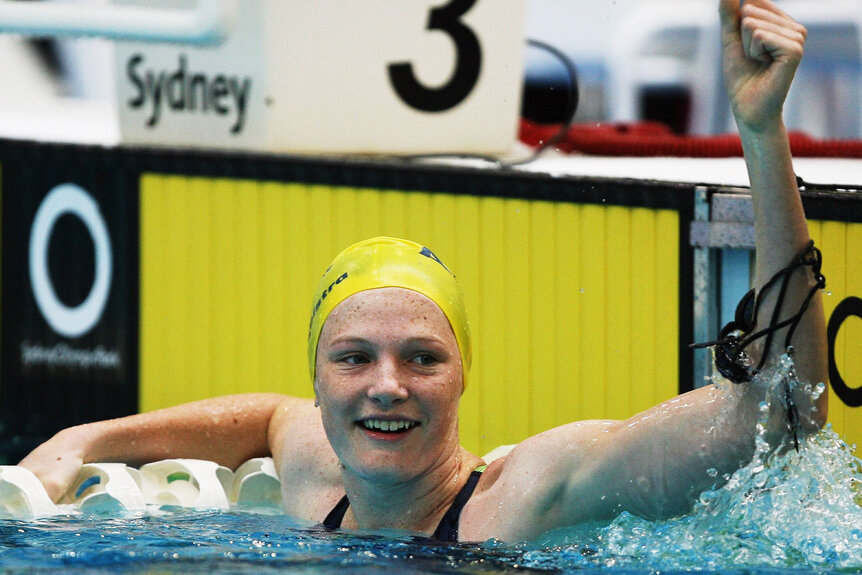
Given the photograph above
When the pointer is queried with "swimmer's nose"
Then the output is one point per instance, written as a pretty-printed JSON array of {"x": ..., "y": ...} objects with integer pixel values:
[{"x": 387, "y": 387}]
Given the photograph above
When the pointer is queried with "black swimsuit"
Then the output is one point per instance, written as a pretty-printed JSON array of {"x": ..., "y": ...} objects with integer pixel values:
[{"x": 446, "y": 531}]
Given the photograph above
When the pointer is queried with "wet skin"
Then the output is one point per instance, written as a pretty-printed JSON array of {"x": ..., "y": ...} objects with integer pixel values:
[{"x": 389, "y": 381}]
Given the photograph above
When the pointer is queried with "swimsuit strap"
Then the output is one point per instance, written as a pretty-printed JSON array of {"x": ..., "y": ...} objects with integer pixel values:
[
  {"x": 336, "y": 516},
  {"x": 446, "y": 531}
]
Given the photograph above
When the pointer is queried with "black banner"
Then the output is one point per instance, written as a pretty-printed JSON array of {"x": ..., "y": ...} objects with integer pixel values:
[{"x": 69, "y": 293}]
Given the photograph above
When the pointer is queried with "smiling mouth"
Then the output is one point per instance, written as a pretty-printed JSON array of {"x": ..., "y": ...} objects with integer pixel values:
[{"x": 388, "y": 425}]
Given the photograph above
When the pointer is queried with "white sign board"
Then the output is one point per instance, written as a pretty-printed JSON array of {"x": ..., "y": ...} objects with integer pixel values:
[{"x": 329, "y": 76}]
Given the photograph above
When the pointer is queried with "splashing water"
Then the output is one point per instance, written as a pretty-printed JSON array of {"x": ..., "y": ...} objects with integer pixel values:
[
  {"x": 783, "y": 510},
  {"x": 794, "y": 511}
]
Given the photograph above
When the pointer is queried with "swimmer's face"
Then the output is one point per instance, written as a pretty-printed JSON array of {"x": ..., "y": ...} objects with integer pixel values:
[{"x": 389, "y": 380}]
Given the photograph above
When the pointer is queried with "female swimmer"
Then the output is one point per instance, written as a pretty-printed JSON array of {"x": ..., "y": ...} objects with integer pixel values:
[{"x": 389, "y": 352}]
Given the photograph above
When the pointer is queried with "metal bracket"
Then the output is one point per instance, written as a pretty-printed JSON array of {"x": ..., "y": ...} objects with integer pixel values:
[
  {"x": 722, "y": 220},
  {"x": 206, "y": 24}
]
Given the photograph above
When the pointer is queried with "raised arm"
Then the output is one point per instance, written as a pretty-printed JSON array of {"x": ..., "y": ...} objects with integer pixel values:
[
  {"x": 714, "y": 429},
  {"x": 675, "y": 450},
  {"x": 228, "y": 430},
  {"x": 762, "y": 48},
  {"x": 658, "y": 462}
]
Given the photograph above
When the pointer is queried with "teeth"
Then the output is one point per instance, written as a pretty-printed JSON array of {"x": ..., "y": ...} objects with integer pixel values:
[{"x": 387, "y": 425}]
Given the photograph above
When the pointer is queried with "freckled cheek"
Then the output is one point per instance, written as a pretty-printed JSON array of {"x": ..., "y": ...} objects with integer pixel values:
[
  {"x": 448, "y": 392},
  {"x": 332, "y": 394},
  {"x": 335, "y": 403}
]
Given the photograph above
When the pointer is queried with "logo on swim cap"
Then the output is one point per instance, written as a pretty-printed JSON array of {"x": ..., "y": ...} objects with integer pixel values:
[{"x": 429, "y": 254}]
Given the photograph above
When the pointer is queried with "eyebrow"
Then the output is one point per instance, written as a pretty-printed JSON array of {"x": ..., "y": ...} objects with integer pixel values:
[
  {"x": 357, "y": 340},
  {"x": 341, "y": 340}
]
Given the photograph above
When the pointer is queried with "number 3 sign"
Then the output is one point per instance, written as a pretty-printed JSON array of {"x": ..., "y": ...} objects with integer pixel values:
[{"x": 328, "y": 76}]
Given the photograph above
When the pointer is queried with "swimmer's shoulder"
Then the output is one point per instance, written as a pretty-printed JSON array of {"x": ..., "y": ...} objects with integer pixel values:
[
  {"x": 307, "y": 466},
  {"x": 519, "y": 494}
]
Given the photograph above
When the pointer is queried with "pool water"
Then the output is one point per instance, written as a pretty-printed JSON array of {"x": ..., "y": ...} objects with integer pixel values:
[
  {"x": 232, "y": 543},
  {"x": 788, "y": 513}
]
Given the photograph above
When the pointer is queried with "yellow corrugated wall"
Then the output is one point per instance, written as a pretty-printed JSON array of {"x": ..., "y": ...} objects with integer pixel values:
[
  {"x": 573, "y": 307},
  {"x": 841, "y": 244}
]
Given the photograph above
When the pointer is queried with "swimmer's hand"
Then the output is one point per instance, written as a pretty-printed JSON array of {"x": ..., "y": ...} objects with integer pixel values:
[
  {"x": 762, "y": 49},
  {"x": 57, "y": 461}
]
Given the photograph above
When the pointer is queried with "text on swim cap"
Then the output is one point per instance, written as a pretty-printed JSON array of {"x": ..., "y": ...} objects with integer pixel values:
[{"x": 322, "y": 297}]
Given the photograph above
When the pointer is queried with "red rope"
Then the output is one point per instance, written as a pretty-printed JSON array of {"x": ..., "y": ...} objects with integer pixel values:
[{"x": 656, "y": 139}]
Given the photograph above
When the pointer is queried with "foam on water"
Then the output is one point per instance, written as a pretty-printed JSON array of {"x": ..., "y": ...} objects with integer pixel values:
[
  {"x": 783, "y": 510},
  {"x": 799, "y": 511}
]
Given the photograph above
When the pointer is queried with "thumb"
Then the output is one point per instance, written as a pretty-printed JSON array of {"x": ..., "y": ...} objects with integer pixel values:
[{"x": 728, "y": 11}]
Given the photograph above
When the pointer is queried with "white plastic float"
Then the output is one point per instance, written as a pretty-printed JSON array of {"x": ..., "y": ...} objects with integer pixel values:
[
  {"x": 22, "y": 495},
  {"x": 106, "y": 488},
  {"x": 256, "y": 484},
  {"x": 190, "y": 483},
  {"x": 114, "y": 489}
]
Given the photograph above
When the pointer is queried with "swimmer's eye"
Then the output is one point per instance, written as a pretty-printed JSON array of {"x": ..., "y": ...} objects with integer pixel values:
[
  {"x": 425, "y": 359},
  {"x": 353, "y": 359}
]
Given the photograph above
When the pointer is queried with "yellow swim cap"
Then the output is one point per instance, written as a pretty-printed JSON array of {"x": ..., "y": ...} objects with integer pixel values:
[{"x": 389, "y": 262}]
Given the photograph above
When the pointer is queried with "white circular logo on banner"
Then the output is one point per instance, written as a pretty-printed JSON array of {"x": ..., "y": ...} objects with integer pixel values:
[{"x": 65, "y": 320}]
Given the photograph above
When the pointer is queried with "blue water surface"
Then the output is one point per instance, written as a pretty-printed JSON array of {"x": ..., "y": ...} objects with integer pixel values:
[{"x": 217, "y": 542}]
